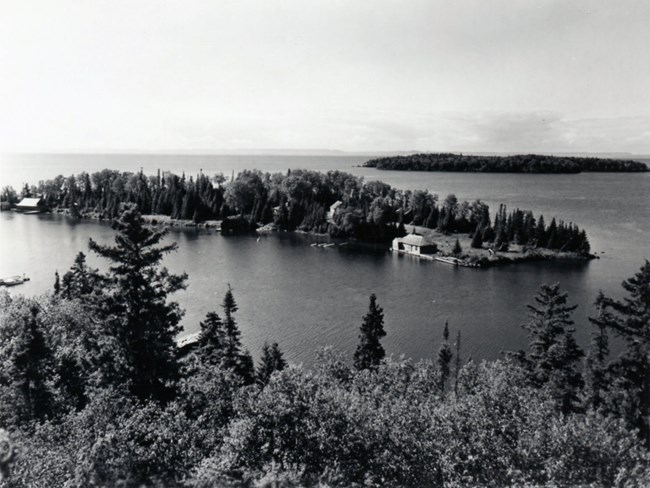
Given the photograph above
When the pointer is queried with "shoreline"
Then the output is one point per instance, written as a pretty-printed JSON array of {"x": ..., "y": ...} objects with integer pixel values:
[{"x": 471, "y": 258}]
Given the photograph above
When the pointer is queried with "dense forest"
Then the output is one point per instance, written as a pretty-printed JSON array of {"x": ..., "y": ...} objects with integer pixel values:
[
  {"x": 520, "y": 163},
  {"x": 94, "y": 391},
  {"x": 302, "y": 200}
]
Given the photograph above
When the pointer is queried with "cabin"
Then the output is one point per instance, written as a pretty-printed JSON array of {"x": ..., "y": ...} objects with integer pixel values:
[
  {"x": 415, "y": 244},
  {"x": 31, "y": 205}
]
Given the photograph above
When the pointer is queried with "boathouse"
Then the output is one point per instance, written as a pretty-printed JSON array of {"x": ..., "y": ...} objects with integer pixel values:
[
  {"x": 414, "y": 244},
  {"x": 31, "y": 205}
]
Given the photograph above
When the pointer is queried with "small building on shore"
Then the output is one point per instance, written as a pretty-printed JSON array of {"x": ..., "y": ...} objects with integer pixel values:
[
  {"x": 31, "y": 205},
  {"x": 332, "y": 211},
  {"x": 415, "y": 244}
]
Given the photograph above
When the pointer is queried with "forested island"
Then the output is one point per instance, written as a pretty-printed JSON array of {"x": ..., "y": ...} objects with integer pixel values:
[
  {"x": 334, "y": 203},
  {"x": 519, "y": 163},
  {"x": 95, "y": 391}
]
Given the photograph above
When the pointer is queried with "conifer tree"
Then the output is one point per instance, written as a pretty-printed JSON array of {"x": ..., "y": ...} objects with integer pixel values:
[
  {"x": 370, "y": 353},
  {"x": 233, "y": 358},
  {"x": 272, "y": 360},
  {"x": 477, "y": 239},
  {"x": 81, "y": 280},
  {"x": 29, "y": 366},
  {"x": 139, "y": 315},
  {"x": 212, "y": 339},
  {"x": 444, "y": 359},
  {"x": 630, "y": 320},
  {"x": 57, "y": 283},
  {"x": 457, "y": 250},
  {"x": 458, "y": 364},
  {"x": 596, "y": 372},
  {"x": 553, "y": 354}
]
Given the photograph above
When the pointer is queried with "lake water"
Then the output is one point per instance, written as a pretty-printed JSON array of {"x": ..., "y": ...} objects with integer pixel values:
[{"x": 305, "y": 297}]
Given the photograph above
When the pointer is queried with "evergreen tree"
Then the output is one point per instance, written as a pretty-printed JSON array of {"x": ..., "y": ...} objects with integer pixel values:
[
  {"x": 81, "y": 280},
  {"x": 477, "y": 239},
  {"x": 212, "y": 339},
  {"x": 458, "y": 364},
  {"x": 139, "y": 315},
  {"x": 596, "y": 373},
  {"x": 457, "y": 250},
  {"x": 630, "y": 320},
  {"x": 57, "y": 283},
  {"x": 246, "y": 368},
  {"x": 370, "y": 353},
  {"x": 444, "y": 359},
  {"x": 28, "y": 366},
  {"x": 551, "y": 361},
  {"x": 272, "y": 360},
  {"x": 233, "y": 358}
]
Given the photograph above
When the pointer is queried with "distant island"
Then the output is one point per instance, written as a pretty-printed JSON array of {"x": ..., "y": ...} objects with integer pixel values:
[{"x": 519, "y": 163}]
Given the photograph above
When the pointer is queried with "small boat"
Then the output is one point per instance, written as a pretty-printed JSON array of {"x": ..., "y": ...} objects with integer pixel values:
[
  {"x": 315, "y": 244},
  {"x": 14, "y": 280},
  {"x": 331, "y": 244}
]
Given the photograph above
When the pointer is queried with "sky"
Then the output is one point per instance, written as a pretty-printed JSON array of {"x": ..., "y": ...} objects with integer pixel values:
[{"x": 375, "y": 75}]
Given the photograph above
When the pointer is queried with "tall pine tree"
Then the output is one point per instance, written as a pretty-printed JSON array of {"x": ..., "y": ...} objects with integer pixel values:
[
  {"x": 233, "y": 357},
  {"x": 370, "y": 353},
  {"x": 445, "y": 356},
  {"x": 630, "y": 320},
  {"x": 272, "y": 360},
  {"x": 138, "y": 312},
  {"x": 552, "y": 359}
]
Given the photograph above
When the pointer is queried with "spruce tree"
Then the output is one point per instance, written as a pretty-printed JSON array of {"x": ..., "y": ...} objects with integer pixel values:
[
  {"x": 477, "y": 239},
  {"x": 57, "y": 283},
  {"x": 458, "y": 364},
  {"x": 596, "y": 372},
  {"x": 81, "y": 280},
  {"x": 551, "y": 361},
  {"x": 629, "y": 319},
  {"x": 272, "y": 360},
  {"x": 212, "y": 339},
  {"x": 139, "y": 314},
  {"x": 444, "y": 359},
  {"x": 457, "y": 250},
  {"x": 233, "y": 358},
  {"x": 370, "y": 353},
  {"x": 29, "y": 366}
]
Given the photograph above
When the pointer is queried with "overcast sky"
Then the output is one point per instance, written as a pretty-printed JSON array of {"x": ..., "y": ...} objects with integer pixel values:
[{"x": 458, "y": 75}]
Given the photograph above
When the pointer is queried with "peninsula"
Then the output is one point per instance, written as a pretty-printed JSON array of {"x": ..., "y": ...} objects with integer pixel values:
[
  {"x": 520, "y": 163},
  {"x": 335, "y": 203}
]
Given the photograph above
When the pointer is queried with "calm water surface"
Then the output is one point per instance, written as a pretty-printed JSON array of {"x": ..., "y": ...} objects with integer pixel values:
[{"x": 305, "y": 297}]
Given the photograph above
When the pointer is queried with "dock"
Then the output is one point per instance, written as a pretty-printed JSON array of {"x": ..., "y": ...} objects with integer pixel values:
[{"x": 13, "y": 280}]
